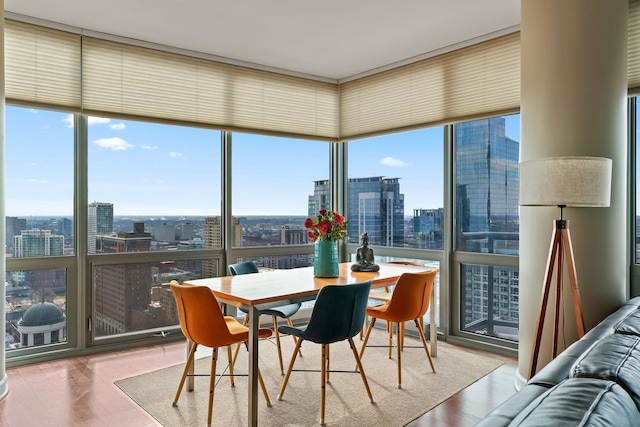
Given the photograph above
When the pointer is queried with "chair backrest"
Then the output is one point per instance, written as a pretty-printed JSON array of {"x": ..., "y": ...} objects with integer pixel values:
[
  {"x": 246, "y": 267},
  {"x": 338, "y": 313},
  {"x": 411, "y": 295},
  {"x": 201, "y": 318}
]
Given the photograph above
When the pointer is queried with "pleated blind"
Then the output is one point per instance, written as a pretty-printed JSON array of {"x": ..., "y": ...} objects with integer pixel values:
[
  {"x": 467, "y": 83},
  {"x": 136, "y": 81},
  {"x": 50, "y": 68},
  {"x": 42, "y": 66},
  {"x": 633, "y": 48}
]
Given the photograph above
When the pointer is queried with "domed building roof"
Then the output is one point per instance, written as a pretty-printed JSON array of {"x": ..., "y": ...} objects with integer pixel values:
[{"x": 44, "y": 313}]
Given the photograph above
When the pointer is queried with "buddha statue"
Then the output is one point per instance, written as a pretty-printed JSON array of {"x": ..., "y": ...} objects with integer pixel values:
[{"x": 364, "y": 256}]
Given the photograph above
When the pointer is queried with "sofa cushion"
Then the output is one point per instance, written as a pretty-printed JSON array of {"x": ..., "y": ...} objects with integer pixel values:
[
  {"x": 630, "y": 325},
  {"x": 505, "y": 413},
  {"x": 615, "y": 358},
  {"x": 580, "y": 402},
  {"x": 559, "y": 368},
  {"x": 608, "y": 325}
]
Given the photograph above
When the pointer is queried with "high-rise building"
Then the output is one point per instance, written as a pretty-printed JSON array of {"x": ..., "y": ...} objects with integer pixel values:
[
  {"x": 428, "y": 228},
  {"x": 375, "y": 205},
  {"x": 321, "y": 198},
  {"x": 99, "y": 222},
  {"x": 14, "y": 226},
  {"x": 35, "y": 242},
  {"x": 487, "y": 185},
  {"x": 123, "y": 291},
  {"x": 186, "y": 231},
  {"x": 487, "y": 220},
  {"x": 289, "y": 236},
  {"x": 212, "y": 238},
  {"x": 164, "y": 233}
]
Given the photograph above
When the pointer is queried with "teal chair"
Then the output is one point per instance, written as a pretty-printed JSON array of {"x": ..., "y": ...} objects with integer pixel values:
[
  {"x": 283, "y": 311},
  {"x": 338, "y": 315}
]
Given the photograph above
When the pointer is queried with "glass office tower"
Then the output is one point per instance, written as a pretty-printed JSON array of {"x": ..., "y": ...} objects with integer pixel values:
[
  {"x": 374, "y": 205},
  {"x": 487, "y": 190}
]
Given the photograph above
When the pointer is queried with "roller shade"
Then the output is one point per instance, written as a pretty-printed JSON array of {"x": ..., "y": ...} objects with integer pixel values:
[
  {"x": 633, "y": 48},
  {"x": 42, "y": 66},
  {"x": 135, "y": 81},
  {"x": 478, "y": 80}
]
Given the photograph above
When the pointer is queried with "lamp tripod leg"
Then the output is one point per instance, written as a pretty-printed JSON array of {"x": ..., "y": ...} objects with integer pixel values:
[{"x": 537, "y": 336}]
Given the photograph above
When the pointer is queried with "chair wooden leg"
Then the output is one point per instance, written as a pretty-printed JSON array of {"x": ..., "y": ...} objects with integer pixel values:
[
  {"x": 295, "y": 340},
  {"x": 233, "y": 384},
  {"x": 366, "y": 337},
  {"x": 424, "y": 344},
  {"x": 187, "y": 365},
  {"x": 390, "y": 332},
  {"x": 359, "y": 364},
  {"x": 293, "y": 360},
  {"x": 264, "y": 389},
  {"x": 328, "y": 362},
  {"x": 278, "y": 346},
  {"x": 323, "y": 382},
  {"x": 212, "y": 383},
  {"x": 245, "y": 323},
  {"x": 399, "y": 331}
]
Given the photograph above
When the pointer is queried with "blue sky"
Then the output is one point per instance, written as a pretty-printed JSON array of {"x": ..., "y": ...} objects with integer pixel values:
[{"x": 155, "y": 170}]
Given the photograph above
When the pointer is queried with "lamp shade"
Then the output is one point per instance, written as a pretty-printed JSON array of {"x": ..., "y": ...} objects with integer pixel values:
[{"x": 566, "y": 181}]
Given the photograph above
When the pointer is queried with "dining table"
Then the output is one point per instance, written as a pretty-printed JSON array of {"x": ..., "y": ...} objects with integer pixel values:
[{"x": 255, "y": 292}]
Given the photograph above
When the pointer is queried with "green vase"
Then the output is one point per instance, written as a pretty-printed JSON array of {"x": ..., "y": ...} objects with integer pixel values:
[{"x": 325, "y": 262}]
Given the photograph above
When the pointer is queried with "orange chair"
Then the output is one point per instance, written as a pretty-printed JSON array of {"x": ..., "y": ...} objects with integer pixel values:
[
  {"x": 384, "y": 295},
  {"x": 203, "y": 323},
  {"x": 409, "y": 301}
]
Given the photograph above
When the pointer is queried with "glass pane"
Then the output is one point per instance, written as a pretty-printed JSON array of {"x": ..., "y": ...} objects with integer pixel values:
[
  {"x": 487, "y": 185},
  {"x": 272, "y": 182},
  {"x": 436, "y": 283},
  {"x": 395, "y": 189},
  {"x": 280, "y": 262},
  {"x": 39, "y": 183},
  {"x": 151, "y": 186},
  {"x": 35, "y": 308},
  {"x": 136, "y": 297},
  {"x": 489, "y": 298}
]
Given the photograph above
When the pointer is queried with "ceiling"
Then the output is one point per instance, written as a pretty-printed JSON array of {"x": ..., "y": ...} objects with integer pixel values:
[{"x": 332, "y": 40}]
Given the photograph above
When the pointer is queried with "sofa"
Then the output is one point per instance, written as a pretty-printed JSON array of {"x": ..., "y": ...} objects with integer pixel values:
[{"x": 593, "y": 382}]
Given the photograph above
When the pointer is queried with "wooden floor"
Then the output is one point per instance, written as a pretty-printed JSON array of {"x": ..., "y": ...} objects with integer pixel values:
[{"x": 79, "y": 391}]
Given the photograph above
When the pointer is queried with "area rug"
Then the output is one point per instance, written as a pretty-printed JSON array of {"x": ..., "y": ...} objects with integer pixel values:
[{"x": 347, "y": 403}]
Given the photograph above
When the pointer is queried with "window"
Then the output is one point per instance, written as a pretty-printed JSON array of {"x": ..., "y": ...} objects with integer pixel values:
[
  {"x": 35, "y": 308},
  {"x": 39, "y": 183},
  {"x": 152, "y": 187},
  {"x": 487, "y": 185},
  {"x": 486, "y": 221},
  {"x": 137, "y": 296},
  {"x": 275, "y": 187},
  {"x": 489, "y": 309},
  {"x": 395, "y": 189}
]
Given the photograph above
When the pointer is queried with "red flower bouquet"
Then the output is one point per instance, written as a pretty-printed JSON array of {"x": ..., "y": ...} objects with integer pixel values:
[{"x": 327, "y": 225}]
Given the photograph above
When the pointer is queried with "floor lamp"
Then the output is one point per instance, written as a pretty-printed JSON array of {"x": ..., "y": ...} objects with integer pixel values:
[{"x": 562, "y": 182}]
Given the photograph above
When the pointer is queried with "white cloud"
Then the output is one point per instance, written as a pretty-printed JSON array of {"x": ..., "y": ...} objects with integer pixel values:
[
  {"x": 97, "y": 120},
  {"x": 175, "y": 154},
  {"x": 149, "y": 147},
  {"x": 35, "y": 181},
  {"x": 113, "y": 143},
  {"x": 69, "y": 120},
  {"x": 118, "y": 126},
  {"x": 394, "y": 163}
]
